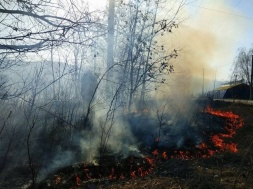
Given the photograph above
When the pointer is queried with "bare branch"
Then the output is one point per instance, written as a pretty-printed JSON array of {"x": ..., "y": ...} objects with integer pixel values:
[
  {"x": 23, "y": 47},
  {"x": 41, "y": 17}
]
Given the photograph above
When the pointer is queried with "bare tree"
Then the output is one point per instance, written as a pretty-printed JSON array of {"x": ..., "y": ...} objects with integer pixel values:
[
  {"x": 145, "y": 60},
  {"x": 31, "y": 26},
  {"x": 242, "y": 67}
]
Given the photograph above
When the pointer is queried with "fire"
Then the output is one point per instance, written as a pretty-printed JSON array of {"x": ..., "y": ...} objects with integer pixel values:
[
  {"x": 221, "y": 114},
  {"x": 86, "y": 171},
  {"x": 112, "y": 176},
  {"x": 133, "y": 167},
  {"x": 57, "y": 179},
  {"x": 133, "y": 174},
  {"x": 202, "y": 146},
  {"x": 121, "y": 177},
  {"x": 155, "y": 152},
  {"x": 150, "y": 161},
  {"x": 78, "y": 181},
  {"x": 182, "y": 155},
  {"x": 140, "y": 172},
  {"x": 233, "y": 123},
  {"x": 217, "y": 141},
  {"x": 164, "y": 155}
]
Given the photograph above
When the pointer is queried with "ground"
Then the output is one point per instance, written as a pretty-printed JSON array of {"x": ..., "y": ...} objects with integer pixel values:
[{"x": 222, "y": 170}]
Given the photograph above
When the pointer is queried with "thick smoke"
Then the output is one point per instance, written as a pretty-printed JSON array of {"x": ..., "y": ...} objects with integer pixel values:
[
  {"x": 61, "y": 159},
  {"x": 206, "y": 42},
  {"x": 203, "y": 41},
  {"x": 119, "y": 139}
]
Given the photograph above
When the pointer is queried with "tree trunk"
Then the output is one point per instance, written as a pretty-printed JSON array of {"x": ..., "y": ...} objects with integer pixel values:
[
  {"x": 110, "y": 45},
  {"x": 130, "y": 58},
  {"x": 143, "y": 89},
  {"x": 251, "y": 79}
]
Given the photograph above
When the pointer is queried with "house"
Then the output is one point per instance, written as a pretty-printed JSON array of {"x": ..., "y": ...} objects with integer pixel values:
[{"x": 232, "y": 91}]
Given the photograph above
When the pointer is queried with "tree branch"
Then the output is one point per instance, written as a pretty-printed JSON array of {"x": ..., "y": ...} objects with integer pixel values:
[
  {"x": 41, "y": 17},
  {"x": 22, "y": 47}
]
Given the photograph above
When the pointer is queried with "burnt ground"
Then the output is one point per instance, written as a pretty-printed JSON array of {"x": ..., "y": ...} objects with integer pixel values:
[{"x": 222, "y": 170}]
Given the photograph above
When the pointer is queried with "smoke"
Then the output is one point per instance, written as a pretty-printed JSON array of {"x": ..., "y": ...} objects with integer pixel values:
[
  {"x": 116, "y": 135},
  {"x": 61, "y": 159},
  {"x": 204, "y": 41},
  {"x": 207, "y": 42}
]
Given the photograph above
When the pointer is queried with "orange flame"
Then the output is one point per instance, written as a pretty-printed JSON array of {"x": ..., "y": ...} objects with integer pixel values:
[
  {"x": 78, "y": 181},
  {"x": 133, "y": 174},
  {"x": 57, "y": 179},
  {"x": 233, "y": 123},
  {"x": 121, "y": 177},
  {"x": 155, "y": 152},
  {"x": 140, "y": 172},
  {"x": 150, "y": 161},
  {"x": 164, "y": 155}
]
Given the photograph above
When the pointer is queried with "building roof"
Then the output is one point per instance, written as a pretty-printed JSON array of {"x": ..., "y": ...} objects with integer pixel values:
[{"x": 225, "y": 87}]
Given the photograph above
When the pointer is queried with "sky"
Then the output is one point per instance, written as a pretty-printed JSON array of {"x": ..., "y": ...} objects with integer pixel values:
[
  {"x": 211, "y": 34},
  {"x": 220, "y": 27}
]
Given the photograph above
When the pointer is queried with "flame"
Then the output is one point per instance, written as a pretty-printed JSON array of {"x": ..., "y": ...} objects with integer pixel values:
[
  {"x": 217, "y": 141},
  {"x": 111, "y": 175},
  {"x": 78, "y": 181},
  {"x": 150, "y": 161},
  {"x": 57, "y": 179},
  {"x": 86, "y": 171},
  {"x": 145, "y": 110},
  {"x": 233, "y": 123},
  {"x": 155, "y": 152},
  {"x": 157, "y": 139},
  {"x": 164, "y": 154},
  {"x": 133, "y": 174},
  {"x": 140, "y": 172},
  {"x": 121, "y": 177},
  {"x": 221, "y": 114},
  {"x": 135, "y": 167},
  {"x": 182, "y": 155}
]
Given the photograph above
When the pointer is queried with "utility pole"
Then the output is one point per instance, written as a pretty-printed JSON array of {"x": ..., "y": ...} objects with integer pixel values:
[
  {"x": 203, "y": 84},
  {"x": 110, "y": 34},
  {"x": 251, "y": 78},
  {"x": 236, "y": 78},
  {"x": 214, "y": 79},
  {"x": 110, "y": 46}
]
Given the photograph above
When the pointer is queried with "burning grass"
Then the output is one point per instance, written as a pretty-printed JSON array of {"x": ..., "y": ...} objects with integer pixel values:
[{"x": 114, "y": 169}]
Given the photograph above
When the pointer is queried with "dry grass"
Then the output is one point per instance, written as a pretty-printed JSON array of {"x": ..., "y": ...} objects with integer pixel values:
[
  {"x": 224, "y": 170},
  {"x": 221, "y": 171}
]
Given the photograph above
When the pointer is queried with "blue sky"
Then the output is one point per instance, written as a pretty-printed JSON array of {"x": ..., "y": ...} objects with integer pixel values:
[
  {"x": 212, "y": 32},
  {"x": 229, "y": 22}
]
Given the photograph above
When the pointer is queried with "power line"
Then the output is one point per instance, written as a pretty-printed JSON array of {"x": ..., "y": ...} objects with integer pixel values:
[
  {"x": 230, "y": 13},
  {"x": 223, "y": 12},
  {"x": 196, "y": 12}
]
